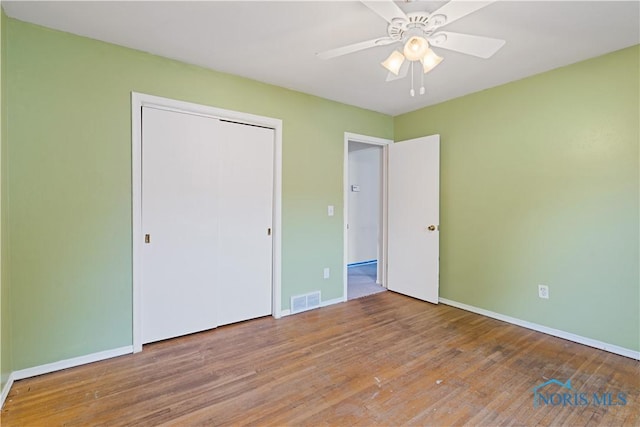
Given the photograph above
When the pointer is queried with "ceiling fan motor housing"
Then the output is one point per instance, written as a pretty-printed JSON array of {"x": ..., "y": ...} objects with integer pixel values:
[{"x": 416, "y": 24}]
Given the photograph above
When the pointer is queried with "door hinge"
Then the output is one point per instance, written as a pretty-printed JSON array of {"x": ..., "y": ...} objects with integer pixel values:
[
  {"x": 147, "y": 238},
  {"x": 269, "y": 231}
]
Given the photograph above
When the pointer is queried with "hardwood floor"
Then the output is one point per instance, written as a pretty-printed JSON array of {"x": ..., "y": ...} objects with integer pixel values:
[{"x": 385, "y": 359}]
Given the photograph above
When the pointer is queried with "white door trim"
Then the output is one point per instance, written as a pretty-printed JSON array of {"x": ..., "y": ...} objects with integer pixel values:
[
  {"x": 138, "y": 100},
  {"x": 382, "y": 250}
]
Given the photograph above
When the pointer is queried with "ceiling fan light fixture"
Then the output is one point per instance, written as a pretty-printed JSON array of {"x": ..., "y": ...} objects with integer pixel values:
[
  {"x": 415, "y": 48},
  {"x": 393, "y": 62},
  {"x": 430, "y": 60}
]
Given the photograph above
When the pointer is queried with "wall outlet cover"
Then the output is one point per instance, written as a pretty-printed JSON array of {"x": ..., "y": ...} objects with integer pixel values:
[{"x": 543, "y": 291}]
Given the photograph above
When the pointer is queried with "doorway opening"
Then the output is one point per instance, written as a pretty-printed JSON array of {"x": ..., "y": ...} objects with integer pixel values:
[
  {"x": 408, "y": 248},
  {"x": 365, "y": 216},
  {"x": 362, "y": 280}
]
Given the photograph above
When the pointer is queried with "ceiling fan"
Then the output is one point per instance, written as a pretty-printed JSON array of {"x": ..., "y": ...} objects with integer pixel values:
[{"x": 417, "y": 31}]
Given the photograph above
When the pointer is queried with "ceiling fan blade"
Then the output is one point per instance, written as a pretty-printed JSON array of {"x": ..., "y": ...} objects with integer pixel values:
[
  {"x": 339, "y": 51},
  {"x": 388, "y": 10},
  {"x": 404, "y": 69},
  {"x": 455, "y": 10},
  {"x": 482, "y": 47}
]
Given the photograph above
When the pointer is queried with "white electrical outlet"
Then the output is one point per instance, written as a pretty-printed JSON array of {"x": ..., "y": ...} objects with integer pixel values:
[
  {"x": 326, "y": 273},
  {"x": 330, "y": 210},
  {"x": 543, "y": 291}
]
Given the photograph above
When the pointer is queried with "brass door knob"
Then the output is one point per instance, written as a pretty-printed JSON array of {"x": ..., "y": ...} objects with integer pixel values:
[{"x": 431, "y": 228}]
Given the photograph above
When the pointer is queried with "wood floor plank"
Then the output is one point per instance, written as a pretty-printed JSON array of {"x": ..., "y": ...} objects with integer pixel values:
[{"x": 385, "y": 359}]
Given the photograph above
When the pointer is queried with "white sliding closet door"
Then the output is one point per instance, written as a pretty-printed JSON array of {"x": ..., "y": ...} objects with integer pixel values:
[
  {"x": 245, "y": 199},
  {"x": 180, "y": 261},
  {"x": 207, "y": 190}
]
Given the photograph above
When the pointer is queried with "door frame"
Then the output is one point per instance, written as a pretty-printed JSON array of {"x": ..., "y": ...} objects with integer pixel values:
[
  {"x": 382, "y": 248},
  {"x": 139, "y": 100}
]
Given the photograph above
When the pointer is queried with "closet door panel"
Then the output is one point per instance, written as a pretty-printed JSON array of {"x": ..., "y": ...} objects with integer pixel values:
[
  {"x": 245, "y": 196},
  {"x": 180, "y": 216}
]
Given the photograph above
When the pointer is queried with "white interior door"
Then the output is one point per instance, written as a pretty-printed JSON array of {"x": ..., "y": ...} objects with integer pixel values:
[
  {"x": 413, "y": 217},
  {"x": 180, "y": 260},
  {"x": 245, "y": 199}
]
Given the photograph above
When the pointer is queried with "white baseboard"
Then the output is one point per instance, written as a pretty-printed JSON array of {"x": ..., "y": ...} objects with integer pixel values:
[
  {"x": 60, "y": 365},
  {"x": 5, "y": 389},
  {"x": 612, "y": 348},
  {"x": 70, "y": 363}
]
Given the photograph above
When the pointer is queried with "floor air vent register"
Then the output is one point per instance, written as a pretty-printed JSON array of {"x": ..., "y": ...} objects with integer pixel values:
[{"x": 305, "y": 302}]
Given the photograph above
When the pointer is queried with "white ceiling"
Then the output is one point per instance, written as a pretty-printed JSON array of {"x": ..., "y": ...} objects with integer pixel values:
[{"x": 276, "y": 41}]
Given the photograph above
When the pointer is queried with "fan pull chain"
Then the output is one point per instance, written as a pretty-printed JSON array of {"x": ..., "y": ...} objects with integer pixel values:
[
  {"x": 422, "y": 84},
  {"x": 412, "y": 92}
]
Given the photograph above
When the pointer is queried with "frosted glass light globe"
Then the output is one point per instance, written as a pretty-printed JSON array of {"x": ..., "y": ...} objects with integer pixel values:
[{"x": 415, "y": 48}]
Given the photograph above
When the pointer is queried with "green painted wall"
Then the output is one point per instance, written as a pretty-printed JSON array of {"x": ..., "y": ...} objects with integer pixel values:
[
  {"x": 5, "y": 318},
  {"x": 69, "y": 182},
  {"x": 539, "y": 184}
]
